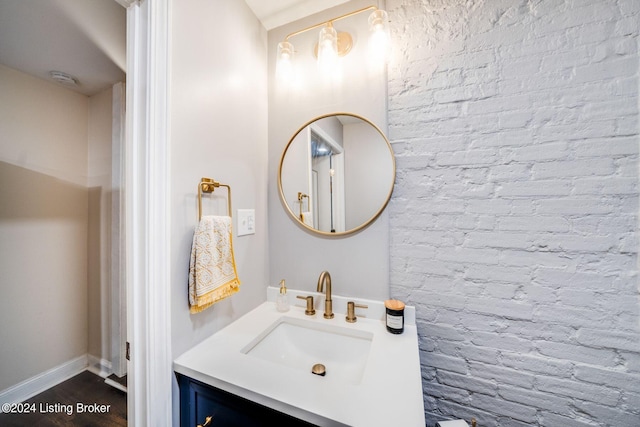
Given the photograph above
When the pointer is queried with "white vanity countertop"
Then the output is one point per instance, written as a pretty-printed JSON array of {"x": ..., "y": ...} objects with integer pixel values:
[{"x": 389, "y": 394}]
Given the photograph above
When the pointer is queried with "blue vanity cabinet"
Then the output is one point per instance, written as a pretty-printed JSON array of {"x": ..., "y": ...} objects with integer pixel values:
[{"x": 199, "y": 401}]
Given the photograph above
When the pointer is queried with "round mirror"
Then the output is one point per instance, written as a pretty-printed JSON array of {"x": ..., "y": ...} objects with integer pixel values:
[{"x": 336, "y": 174}]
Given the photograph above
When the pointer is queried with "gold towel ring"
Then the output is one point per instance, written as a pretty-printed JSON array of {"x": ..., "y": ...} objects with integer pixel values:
[{"x": 208, "y": 185}]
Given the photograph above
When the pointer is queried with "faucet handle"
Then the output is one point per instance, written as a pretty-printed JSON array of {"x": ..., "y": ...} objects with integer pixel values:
[
  {"x": 310, "y": 311},
  {"x": 351, "y": 311}
]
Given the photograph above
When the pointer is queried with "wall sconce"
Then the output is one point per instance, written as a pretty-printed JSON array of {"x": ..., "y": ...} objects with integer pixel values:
[{"x": 333, "y": 44}]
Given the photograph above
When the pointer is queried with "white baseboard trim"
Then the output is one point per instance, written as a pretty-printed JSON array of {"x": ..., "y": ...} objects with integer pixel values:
[
  {"x": 99, "y": 366},
  {"x": 114, "y": 384},
  {"x": 41, "y": 382}
]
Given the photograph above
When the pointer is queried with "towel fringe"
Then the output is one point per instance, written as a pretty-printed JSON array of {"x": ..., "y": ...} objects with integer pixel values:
[{"x": 207, "y": 300}]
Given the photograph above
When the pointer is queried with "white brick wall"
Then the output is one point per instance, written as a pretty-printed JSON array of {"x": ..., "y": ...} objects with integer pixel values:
[{"x": 514, "y": 219}]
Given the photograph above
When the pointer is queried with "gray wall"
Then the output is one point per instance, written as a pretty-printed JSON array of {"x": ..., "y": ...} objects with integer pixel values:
[
  {"x": 218, "y": 130},
  {"x": 359, "y": 264},
  {"x": 514, "y": 219}
]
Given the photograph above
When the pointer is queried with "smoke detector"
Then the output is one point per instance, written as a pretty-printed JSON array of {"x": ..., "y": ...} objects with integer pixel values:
[{"x": 63, "y": 78}]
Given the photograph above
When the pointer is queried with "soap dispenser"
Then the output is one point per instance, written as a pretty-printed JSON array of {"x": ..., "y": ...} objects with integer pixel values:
[{"x": 282, "y": 301}]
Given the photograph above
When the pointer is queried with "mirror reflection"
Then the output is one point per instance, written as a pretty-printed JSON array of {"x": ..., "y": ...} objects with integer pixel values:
[{"x": 336, "y": 174}]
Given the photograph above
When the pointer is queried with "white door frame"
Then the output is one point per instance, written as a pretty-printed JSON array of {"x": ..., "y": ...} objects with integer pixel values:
[{"x": 149, "y": 379}]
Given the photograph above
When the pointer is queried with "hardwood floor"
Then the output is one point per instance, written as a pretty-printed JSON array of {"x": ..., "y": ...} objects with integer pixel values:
[{"x": 84, "y": 400}]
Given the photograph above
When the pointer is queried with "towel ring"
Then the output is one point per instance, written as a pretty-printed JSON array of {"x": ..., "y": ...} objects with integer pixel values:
[
  {"x": 208, "y": 185},
  {"x": 300, "y": 197}
]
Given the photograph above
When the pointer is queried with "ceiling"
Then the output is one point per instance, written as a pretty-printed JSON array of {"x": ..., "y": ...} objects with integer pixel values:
[
  {"x": 275, "y": 13},
  {"x": 87, "y": 38}
]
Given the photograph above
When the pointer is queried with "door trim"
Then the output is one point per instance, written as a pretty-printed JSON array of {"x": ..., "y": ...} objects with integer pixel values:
[{"x": 149, "y": 379}]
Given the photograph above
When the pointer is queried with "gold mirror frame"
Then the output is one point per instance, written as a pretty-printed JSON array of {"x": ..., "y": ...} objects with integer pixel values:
[{"x": 366, "y": 223}]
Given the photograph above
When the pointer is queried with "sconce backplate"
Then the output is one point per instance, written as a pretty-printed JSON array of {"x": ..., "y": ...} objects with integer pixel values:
[{"x": 345, "y": 43}]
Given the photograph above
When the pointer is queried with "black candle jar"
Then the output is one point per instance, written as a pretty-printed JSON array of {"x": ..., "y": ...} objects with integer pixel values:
[{"x": 395, "y": 316}]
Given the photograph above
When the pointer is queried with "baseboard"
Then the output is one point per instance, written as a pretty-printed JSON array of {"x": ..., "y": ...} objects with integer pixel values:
[
  {"x": 99, "y": 366},
  {"x": 41, "y": 382},
  {"x": 114, "y": 384}
]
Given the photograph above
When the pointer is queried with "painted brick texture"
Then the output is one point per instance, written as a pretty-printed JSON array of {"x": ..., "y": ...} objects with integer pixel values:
[{"x": 514, "y": 220}]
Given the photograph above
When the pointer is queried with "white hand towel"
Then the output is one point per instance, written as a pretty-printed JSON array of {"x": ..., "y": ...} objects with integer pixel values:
[{"x": 212, "y": 268}]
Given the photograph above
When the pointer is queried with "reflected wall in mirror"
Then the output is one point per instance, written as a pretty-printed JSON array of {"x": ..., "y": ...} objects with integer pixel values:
[{"x": 336, "y": 174}]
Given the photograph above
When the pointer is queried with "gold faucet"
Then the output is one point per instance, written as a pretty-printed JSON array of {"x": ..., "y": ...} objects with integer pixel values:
[{"x": 328, "y": 303}]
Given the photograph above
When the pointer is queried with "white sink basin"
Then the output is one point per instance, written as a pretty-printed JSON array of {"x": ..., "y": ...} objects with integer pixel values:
[
  {"x": 279, "y": 349},
  {"x": 300, "y": 344}
]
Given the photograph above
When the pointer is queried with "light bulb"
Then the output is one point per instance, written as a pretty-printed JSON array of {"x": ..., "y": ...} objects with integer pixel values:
[
  {"x": 379, "y": 39},
  {"x": 328, "y": 51},
  {"x": 284, "y": 63}
]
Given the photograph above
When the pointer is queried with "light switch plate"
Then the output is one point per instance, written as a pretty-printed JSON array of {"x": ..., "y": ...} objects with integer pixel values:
[{"x": 246, "y": 221}]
